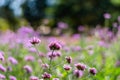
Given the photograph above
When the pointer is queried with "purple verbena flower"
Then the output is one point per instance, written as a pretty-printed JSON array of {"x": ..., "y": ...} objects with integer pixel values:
[
  {"x": 33, "y": 78},
  {"x": 2, "y": 76},
  {"x": 29, "y": 58},
  {"x": 46, "y": 75},
  {"x": 80, "y": 66},
  {"x": 93, "y": 71},
  {"x": 55, "y": 78},
  {"x": 67, "y": 67},
  {"x": 62, "y": 25},
  {"x": 54, "y": 45},
  {"x": 2, "y": 68},
  {"x": 107, "y": 16},
  {"x": 35, "y": 40},
  {"x": 28, "y": 68},
  {"x": 12, "y": 60},
  {"x": 12, "y": 78},
  {"x": 78, "y": 73},
  {"x": 68, "y": 59},
  {"x": 45, "y": 66}
]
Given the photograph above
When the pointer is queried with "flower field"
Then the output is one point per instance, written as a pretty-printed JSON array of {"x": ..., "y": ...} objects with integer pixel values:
[{"x": 26, "y": 55}]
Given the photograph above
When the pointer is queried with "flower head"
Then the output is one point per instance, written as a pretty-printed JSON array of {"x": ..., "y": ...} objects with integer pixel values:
[
  {"x": 46, "y": 75},
  {"x": 12, "y": 78},
  {"x": 2, "y": 76},
  {"x": 93, "y": 71},
  {"x": 78, "y": 73},
  {"x": 107, "y": 16},
  {"x": 80, "y": 66},
  {"x": 29, "y": 58},
  {"x": 28, "y": 68},
  {"x": 35, "y": 40},
  {"x": 34, "y": 78},
  {"x": 67, "y": 67},
  {"x": 55, "y": 78},
  {"x": 54, "y": 46},
  {"x": 2, "y": 68},
  {"x": 12, "y": 60},
  {"x": 68, "y": 59}
]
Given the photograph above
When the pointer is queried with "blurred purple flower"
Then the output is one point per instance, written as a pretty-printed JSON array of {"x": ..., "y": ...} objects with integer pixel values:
[
  {"x": 68, "y": 59},
  {"x": 2, "y": 57},
  {"x": 2, "y": 76},
  {"x": 9, "y": 68},
  {"x": 12, "y": 78},
  {"x": 33, "y": 78},
  {"x": 78, "y": 73},
  {"x": 93, "y": 71},
  {"x": 80, "y": 66},
  {"x": 55, "y": 78},
  {"x": 32, "y": 50},
  {"x": 35, "y": 40},
  {"x": 67, "y": 49},
  {"x": 2, "y": 68},
  {"x": 29, "y": 58},
  {"x": 76, "y": 36},
  {"x": 12, "y": 60},
  {"x": 118, "y": 18},
  {"x": 115, "y": 24},
  {"x": 28, "y": 68},
  {"x": 62, "y": 25},
  {"x": 46, "y": 75},
  {"x": 45, "y": 66},
  {"x": 81, "y": 28},
  {"x": 107, "y": 16},
  {"x": 51, "y": 55},
  {"x": 117, "y": 63},
  {"x": 54, "y": 45},
  {"x": 76, "y": 48},
  {"x": 102, "y": 44},
  {"x": 67, "y": 67}
]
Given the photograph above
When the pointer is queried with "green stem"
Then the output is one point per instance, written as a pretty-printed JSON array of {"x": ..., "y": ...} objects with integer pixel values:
[
  {"x": 38, "y": 54},
  {"x": 50, "y": 62}
]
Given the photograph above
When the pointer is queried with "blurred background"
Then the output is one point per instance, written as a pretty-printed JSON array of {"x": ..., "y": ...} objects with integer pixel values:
[{"x": 52, "y": 14}]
